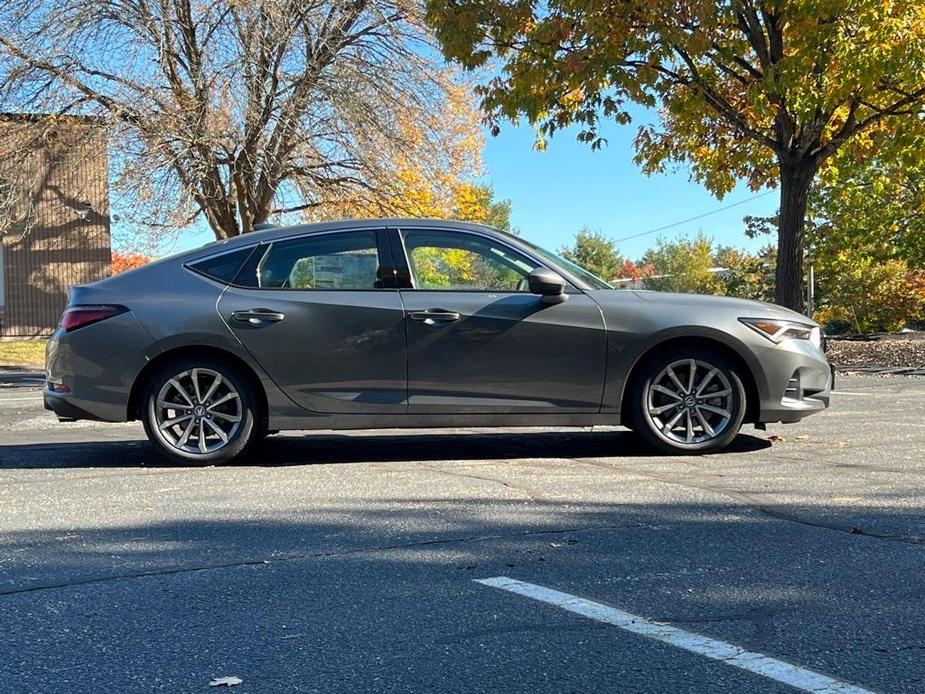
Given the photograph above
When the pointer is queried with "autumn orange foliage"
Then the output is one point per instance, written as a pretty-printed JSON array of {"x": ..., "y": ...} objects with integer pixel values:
[{"x": 121, "y": 262}]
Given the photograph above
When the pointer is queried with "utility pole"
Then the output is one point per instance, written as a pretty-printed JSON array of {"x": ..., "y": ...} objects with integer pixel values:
[{"x": 811, "y": 292}]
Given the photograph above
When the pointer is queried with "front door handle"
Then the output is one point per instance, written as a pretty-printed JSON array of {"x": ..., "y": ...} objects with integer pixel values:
[
  {"x": 433, "y": 316},
  {"x": 258, "y": 316}
]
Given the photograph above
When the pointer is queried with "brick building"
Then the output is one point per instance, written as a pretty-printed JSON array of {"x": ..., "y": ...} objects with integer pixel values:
[{"x": 54, "y": 212}]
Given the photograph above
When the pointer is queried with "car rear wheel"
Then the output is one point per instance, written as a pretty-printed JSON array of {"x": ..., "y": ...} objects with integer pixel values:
[
  {"x": 200, "y": 411},
  {"x": 688, "y": 401}
]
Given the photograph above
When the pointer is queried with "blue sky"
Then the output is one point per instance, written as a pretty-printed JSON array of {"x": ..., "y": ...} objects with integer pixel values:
[{"x": 556, "y": 192}]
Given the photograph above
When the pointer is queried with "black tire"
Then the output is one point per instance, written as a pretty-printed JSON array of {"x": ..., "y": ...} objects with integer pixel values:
[
  {"x": 652, "y": 427},
  {"x": 241, "y": 433}
]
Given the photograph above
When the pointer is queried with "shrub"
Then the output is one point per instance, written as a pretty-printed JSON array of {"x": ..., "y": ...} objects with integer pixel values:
[
  {"x": 683, "y": 265},
  {"x": 872, "y": 296},
  {"x": 122, "y": 262},
  {"x": 833, "y": 320}
]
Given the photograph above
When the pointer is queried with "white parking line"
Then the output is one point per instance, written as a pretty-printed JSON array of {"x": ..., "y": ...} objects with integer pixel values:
[
  {"x": 778, "y": 670},
  {"x": 847, "y": 392}
]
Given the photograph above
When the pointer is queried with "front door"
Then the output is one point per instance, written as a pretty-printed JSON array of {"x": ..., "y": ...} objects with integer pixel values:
[
  {"x": 314, "y": 313},
  {"x": 480, "y": 342}
]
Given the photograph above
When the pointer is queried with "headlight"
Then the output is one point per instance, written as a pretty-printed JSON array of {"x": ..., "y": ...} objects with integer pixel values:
[{"x": 779, "y": 330}]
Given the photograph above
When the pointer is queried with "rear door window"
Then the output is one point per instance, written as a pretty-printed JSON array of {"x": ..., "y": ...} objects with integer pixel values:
[{"x": 338, "y": 261}]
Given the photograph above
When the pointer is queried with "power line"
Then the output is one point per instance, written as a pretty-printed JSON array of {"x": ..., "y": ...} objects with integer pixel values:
[{"x": 699, "y": 216}]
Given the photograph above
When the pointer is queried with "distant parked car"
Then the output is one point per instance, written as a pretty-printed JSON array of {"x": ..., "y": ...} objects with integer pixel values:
[{"x": 417, "y": 323}]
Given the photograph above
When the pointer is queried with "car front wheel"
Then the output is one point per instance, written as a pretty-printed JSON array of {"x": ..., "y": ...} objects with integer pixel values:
[
  {"x": 200, "y": 411},
  {"x": 688, "y": 401}
]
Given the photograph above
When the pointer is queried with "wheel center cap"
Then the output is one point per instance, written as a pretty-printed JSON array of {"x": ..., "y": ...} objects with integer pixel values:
[
  {"x": 199, "y": 410},
  {"x": 690, "y": 401}
]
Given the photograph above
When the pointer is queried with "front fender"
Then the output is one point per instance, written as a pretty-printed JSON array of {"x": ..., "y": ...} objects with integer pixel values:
[{"x": 625, "y": 353}]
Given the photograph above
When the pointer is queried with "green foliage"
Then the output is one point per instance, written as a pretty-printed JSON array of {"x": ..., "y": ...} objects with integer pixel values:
[
  {"x": 683, "y": 265},
  {"x": 596, "y": 253},
  {"x": 746, "y": 275},
  {"x": 762, "y": 91},
  {"x": 302, "y": 275},
  {"x": 457, "y": 268},
  {"x": 494, "y": 213},
  {"x": 738, "y": 83},
  {"x": 873, "y": 203},
  {"x": 870, "y": 295},
  {"x": 855, "y": 290}
]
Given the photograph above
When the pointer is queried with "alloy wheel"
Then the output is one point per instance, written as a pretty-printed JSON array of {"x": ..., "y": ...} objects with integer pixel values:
[
  {"x": 690, "y": 401},
  {"x": 197, "y": 411}
]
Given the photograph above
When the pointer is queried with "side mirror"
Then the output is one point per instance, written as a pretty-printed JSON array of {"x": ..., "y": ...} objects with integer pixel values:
[{"x": 548, "y": 285}]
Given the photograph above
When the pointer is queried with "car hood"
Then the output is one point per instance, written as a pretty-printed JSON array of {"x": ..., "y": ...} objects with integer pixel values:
[{"x": 706, "y": 302}]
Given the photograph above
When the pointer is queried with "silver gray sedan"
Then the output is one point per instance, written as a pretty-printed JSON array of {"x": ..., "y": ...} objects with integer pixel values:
[{"x": 417, "y": 323}]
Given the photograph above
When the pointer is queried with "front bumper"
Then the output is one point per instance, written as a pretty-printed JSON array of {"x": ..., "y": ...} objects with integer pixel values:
[{"x": 799, "y": 382}]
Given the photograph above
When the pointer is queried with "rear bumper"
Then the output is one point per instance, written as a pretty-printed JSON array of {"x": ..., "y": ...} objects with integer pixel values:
[
  {"x": 65, "y": 410},
  {"x": 97, "y": 366}
]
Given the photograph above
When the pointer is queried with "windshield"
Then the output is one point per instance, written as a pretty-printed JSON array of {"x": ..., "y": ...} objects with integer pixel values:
[{"x": 592, "y": 280}]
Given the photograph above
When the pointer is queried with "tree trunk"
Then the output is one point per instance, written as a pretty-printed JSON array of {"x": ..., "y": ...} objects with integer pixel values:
[{"x": 795, "y": 182}]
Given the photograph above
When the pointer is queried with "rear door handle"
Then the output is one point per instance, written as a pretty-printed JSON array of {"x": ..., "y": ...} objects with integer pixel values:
[
  {"x": 256, "y": 316},
  {"x": 434, "y": 315}
]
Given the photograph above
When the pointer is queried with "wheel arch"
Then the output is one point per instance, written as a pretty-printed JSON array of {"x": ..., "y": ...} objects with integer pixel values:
[
  {"x": 187, "y": 351},
  {"x": 749, "y": 378}
]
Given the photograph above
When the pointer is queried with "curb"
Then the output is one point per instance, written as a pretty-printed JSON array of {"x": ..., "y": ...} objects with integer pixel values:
[
  {"x": 882, "y": 370},
  {"x": 22, "y": 376}
]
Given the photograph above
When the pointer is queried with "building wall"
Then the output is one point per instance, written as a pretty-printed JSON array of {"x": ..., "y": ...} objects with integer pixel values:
[{"x": 62, "y": 235}]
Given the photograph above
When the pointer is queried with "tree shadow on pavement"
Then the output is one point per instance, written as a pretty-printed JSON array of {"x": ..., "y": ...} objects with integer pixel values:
[
  {"x": 327, "y": 448},
  {"x": 377, "y": 595}
]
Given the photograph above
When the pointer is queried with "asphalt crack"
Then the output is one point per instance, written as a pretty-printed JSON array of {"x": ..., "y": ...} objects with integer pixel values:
[
  {"x": 750, "y": 501},
  {"x": 529, "y": 494},
  {"x": 265, "y": 561}
]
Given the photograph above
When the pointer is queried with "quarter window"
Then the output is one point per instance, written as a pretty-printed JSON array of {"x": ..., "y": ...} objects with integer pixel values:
[
  {"x": 223, "y": 267},
  {"x": 328, "y": 261},
  {"x": 442, "y": 260}
]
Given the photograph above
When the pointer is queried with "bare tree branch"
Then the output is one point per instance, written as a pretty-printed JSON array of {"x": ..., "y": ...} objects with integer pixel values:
[{"x": 220, "y": 107}]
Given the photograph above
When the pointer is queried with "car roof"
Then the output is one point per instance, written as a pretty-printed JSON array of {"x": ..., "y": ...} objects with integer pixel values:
[{"x": 274, "y": 233}]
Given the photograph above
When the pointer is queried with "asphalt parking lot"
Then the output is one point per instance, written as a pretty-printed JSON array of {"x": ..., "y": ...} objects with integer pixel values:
[{"x": 351, "y": 562}]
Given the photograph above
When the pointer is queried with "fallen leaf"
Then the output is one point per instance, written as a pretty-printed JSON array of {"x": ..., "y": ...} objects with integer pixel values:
[
  {"x": 555, "y": 545},
  {"x": 801, "y": 437},
  {"x": 776, "y": 438},
  {"x": 226, "y": 681}
]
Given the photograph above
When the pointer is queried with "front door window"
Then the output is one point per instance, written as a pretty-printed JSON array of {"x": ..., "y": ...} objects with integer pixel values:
[{"x": 458, "y": 262}]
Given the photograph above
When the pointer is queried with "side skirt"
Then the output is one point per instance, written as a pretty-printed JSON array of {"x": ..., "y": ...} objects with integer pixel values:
[{"x": 442, "y": 421}]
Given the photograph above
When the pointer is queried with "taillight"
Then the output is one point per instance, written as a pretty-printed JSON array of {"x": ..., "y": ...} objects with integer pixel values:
[{"x": 78, "y": 316}]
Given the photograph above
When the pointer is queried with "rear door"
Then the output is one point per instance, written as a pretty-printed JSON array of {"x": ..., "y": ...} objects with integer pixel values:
[
  {"x": 322, "y": 316},
  {"x": 480, "y": 342}
]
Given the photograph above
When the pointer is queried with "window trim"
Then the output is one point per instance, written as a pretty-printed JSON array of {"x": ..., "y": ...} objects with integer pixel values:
[
  {"x": 384, "y": 253},
  {"x": 397, "y": 240}
]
